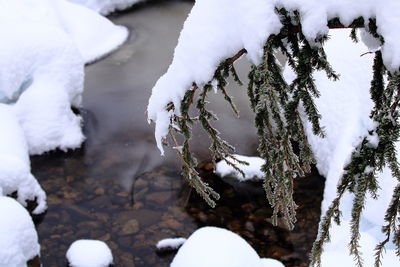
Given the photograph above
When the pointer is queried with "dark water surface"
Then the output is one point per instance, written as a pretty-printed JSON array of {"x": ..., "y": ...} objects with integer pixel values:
[{"x": 118, "y": 189}]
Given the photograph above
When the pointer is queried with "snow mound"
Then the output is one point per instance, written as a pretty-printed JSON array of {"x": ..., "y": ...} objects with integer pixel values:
[
  {"x": 15, "y": 175},
  {"x": 170, "y": 243},
  {"x": 44, "y": 77},
  {"x": 251, "y": 171},
  {"x": 216, "y": 247},
  {"x": 106, "y": 7},
  {"x": 19, "y": 240},
  {"x": 93, "y": 34},
  {"x": 89, "y": 253}
]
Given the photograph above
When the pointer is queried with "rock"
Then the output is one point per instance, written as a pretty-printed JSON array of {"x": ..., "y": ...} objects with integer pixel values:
[
  {"x": 130, "y": 227},
  {"x": 159, "y": 197}
]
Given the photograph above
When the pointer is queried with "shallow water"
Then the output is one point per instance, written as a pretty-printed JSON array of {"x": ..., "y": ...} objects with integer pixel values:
[{"x": 118, "y": 189}]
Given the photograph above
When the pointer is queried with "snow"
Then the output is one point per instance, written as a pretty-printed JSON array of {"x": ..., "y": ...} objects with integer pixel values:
[
  {"x": 106, "y": 7},
  {"x": 45, "y": 44},
  {"x": 208, "y": 37},
  {"x": 271, "y": 263},
  {"x": 172, "y": 243},
  {"x": 345, "y": 106},
  {"x": 251, "y": 171},
  {"x": 15, "y": 175},
  {"x": 89, "y": 253},
  {"x": 218, "y": 247},
  {"x": 91, "y": 33},
  {"x": 19, "y": 240}
]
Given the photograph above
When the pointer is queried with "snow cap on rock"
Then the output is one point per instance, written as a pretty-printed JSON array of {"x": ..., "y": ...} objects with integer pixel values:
[
  {"x": 89, "y": 253},
  {"x": 18, "y": 237},
  {"x": 216, "y": 247}
]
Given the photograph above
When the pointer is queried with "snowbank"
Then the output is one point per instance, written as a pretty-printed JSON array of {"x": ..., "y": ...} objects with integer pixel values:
[
  {"x": 218, "y": 247},
  {"x": 251, "y": 171},
  {"x": 89, "y": 253},
  {"x": 345, "y": 106},
  {"x": 45, "y": 44},
  {"x": 216, "y": 30},
  {"x": 106, "y": 7},
  {"x": 19, "y": 241}
]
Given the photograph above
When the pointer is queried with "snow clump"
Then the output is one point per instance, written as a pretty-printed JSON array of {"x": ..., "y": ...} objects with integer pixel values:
[
  {"x": 15, "y": 173},
  {"x": 89, "y": 253},
  {"x": 170, "y": 243},
  {"x": 251, "y": 171}
]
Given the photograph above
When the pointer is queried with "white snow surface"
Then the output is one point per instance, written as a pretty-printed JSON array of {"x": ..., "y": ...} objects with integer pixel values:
[
  {"x": 217, "y": 247},
  {"x": 15, "y": 174},
  {"x": 106, "y": 7},
  {"x": 91, "y": 33},
  {"x": 265, "y": 262},
  {"x": 216, "y": 30},
  {"x": 172, "y": 243},
  {"x": 89, "y": 253},
  {"x": 345, "y": 107},
  {"x": 251, "y": 171},
  {"x": 19, "y": 240}
]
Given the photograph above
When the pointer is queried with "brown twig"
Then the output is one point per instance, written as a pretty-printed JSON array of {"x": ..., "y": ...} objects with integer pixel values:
[{"x": 231, "y": 60}]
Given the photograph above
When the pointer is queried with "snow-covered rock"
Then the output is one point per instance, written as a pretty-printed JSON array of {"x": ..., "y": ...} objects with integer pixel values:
[
  {"x": 217, "y": 247},
  {"x": 89, "y": 253},
  {"x": 106, "y": 7},
  {"x": 251, "y": 171},
  {"x": 18, "y": 237},
  {"x": 44, "y": 77},
  {"x": 170, "y": 243},
  {"x": 15, "y": 174}
]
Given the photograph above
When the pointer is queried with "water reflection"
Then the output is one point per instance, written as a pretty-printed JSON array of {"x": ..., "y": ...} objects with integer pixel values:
[{"x": 118, "y": 189}]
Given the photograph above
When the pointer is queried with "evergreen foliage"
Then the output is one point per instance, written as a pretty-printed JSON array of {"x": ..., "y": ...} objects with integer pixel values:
[{"x": 279, "y": 107}]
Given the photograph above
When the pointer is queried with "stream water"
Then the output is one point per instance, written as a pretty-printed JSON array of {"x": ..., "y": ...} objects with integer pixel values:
[{"x": 117, "y": 187}]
